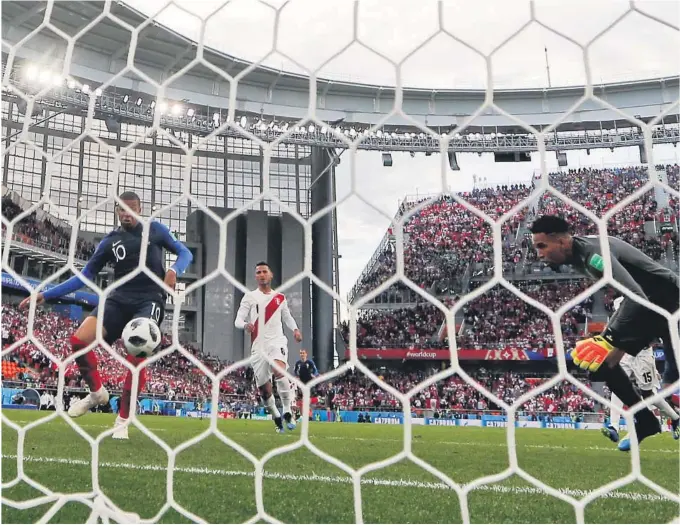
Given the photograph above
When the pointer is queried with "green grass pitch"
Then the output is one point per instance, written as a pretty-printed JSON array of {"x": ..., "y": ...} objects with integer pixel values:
[{"x": 216, "y": 483}]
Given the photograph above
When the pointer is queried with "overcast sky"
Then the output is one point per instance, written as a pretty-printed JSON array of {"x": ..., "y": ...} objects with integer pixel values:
[{"x": 312, "y": 31}]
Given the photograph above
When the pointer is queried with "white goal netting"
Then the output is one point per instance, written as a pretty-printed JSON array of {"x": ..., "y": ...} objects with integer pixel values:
[{"x": 102, "y": 507}]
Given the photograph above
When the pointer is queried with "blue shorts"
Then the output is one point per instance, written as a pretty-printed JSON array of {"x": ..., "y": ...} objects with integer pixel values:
[{"x": 119, "y": 312}]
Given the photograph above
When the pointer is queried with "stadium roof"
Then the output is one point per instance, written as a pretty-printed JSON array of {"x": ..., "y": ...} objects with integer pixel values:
[
  {"x": 160, "y": 46},
  {"x": 160, "y": 51}
]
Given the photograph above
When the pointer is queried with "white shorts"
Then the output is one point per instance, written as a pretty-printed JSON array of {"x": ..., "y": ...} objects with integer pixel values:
[
  {"x": 262, "y": 368},
  {"x": 643, "y": 369}
]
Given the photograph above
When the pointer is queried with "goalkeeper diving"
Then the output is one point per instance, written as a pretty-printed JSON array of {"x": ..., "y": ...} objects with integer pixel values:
[{"x": 633, "y": 327}]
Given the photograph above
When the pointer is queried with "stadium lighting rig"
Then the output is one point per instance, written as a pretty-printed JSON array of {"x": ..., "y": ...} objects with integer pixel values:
[{"x": 201, "y": 121}]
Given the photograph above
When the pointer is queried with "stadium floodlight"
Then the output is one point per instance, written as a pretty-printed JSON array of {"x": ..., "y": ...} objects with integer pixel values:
[
  {"x": 86, "y": 88},
  {"x": 561, "y": 158},
  {"x": 31, "y": 72},
  {"x": 112, "y": 124},
  {"x": 176, "y": 109},
  {"x": 98, "y": 92},
  {"x": 153, "y": 104},
  {"x": 139, "y": 102},
  {"x": 453, "y": 161},
  {"x": 126, "y": 98},
  {"x": 44, "y": 77},
  {"x": 163, "y": 107},
  {"x": 190, "y": 112},
  {"x": 243, "y": 122},
  {"x": 311, "y": 128},
  {"x": 71, "y": 83},
  {"x": 22, "y": 106}
]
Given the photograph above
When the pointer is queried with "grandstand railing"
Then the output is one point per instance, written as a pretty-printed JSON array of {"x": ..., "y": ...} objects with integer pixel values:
[
  {"x": 42, "y": 250},
  {"x": 112, "y": 103}
]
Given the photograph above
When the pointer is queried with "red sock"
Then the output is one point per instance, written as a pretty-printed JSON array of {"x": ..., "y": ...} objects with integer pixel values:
[
  {"x": 87, "y": 364},
  {"x": 124, "y": 410}
]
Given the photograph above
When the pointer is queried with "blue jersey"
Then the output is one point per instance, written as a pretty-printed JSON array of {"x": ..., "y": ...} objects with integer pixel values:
[
  {"x": 121, "y": 248},
  {"x": 306, "y": 370}
]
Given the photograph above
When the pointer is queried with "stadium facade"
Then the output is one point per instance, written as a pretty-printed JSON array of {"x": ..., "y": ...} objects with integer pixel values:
[{"x": 228, "y": 169}]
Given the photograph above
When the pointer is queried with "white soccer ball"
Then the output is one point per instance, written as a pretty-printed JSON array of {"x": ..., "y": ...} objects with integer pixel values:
[{"x": 141, "y": 337}]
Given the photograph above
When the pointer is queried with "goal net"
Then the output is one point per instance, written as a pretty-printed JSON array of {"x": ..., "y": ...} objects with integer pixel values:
[{"x": 49, "y": 196}]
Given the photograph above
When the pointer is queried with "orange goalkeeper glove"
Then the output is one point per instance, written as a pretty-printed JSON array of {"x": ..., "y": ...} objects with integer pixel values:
[{"x": 589, "y": 354}]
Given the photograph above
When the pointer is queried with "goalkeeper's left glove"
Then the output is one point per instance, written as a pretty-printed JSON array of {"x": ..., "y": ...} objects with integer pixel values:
[{"x": 589, "y": 354}]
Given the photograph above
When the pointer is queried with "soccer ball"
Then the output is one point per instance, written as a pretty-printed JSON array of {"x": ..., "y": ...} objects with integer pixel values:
[{"x": 141, "y": 337}]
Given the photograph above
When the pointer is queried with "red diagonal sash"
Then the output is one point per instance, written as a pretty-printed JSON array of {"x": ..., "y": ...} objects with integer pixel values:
[{"x": 269, "y": 310}]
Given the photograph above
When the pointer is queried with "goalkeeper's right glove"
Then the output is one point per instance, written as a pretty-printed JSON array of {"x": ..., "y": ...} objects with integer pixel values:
[{"x": 589, "y": 354}]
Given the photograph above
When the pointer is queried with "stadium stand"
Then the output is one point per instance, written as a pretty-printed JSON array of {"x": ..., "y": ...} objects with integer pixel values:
[
  {"x": 357, "y": 392},
  {"x": 43, "y": 234},
  {"x": 443, "y": 240},
  {"x": 176, "y": 378},
  {"x": 173, "y": 376}
]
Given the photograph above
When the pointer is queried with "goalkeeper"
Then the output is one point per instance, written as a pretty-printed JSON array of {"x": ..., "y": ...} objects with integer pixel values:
[{"x": 632, "y": 327}]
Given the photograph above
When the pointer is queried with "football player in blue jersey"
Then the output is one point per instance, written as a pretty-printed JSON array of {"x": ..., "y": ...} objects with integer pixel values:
[{"x": 138, "y": 297}]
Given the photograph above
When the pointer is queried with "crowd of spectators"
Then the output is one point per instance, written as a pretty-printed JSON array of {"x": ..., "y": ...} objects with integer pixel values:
[
  {"x": 496, "y": 319},
  {"x": 672, "y": 174},
  {"x": 46, "y": 234},
  {"x": 442, "y": 238},
  {"x": 599, "y": 190},
  {"x": 499, "y": 318},
  {"x": 356, "y": 391},
  {"x": 175, "y": 377},
  {"x": 172, "y": 376}
]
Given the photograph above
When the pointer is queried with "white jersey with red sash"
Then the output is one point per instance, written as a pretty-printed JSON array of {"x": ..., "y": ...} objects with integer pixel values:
[{"x": 268, "y": 332}]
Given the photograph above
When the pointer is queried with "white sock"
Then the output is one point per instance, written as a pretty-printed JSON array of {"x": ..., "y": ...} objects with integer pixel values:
[
  {"x": 615, "y": 412},
  {"x": 285, "y": 393},
  {"x": 666, "y": 409},
  {"x": 271, "y": 405}
]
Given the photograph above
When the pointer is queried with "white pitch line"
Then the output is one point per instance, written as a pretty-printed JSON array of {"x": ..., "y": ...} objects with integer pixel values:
[{"x": 346, "y": 480}]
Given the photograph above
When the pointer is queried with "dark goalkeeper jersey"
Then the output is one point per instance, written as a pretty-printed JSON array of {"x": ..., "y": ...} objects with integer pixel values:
[{"x": 633, "y": 269}]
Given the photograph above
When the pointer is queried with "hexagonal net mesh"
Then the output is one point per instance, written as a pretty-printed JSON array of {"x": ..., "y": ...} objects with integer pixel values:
[{"x": 102, "y": 507}]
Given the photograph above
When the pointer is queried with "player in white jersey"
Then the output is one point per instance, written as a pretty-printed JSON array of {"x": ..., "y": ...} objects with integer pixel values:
[
  {"x": 642, "y": 370},
  {"x": 262, "y": 314}
]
